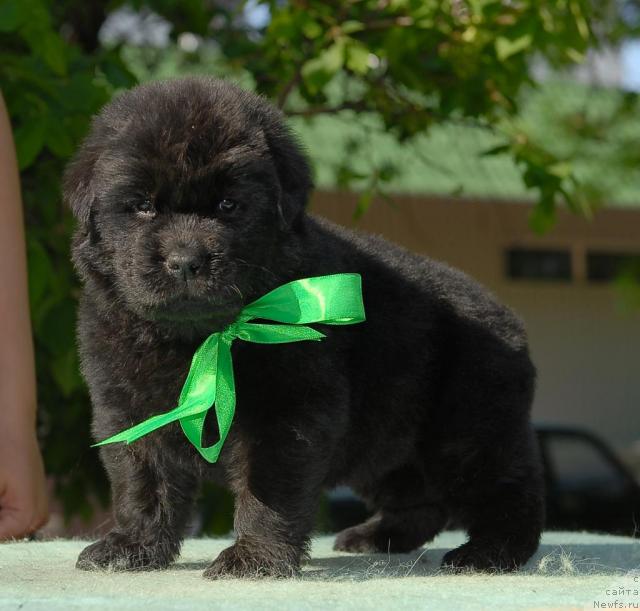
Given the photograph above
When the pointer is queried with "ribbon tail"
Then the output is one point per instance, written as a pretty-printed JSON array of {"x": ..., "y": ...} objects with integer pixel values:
[
  {"x": 139, "y": 430},
  {"x": 225, "y": 403},
  {"x": 197, "y": 396},
  {"x": 201, "y": 379}
]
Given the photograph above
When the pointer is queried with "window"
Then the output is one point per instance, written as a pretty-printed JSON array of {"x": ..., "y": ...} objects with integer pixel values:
[
  {"x": 538, "y": 264},
  {"x": 606, "y": 266},
  {"x": 581, "y": 466}
]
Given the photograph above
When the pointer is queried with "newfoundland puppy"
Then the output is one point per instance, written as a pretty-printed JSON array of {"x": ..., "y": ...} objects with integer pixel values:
[{"x": 190, "y": 198}]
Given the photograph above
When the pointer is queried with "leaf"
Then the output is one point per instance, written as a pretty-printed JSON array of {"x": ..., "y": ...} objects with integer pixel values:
[
  {"x": 317, "y": 72},
  {"x": 581, "y": 23},
  {"x": 52, "y": 50},
  {"x": 627, "y": 288},
  {"x": 66, "y": 372},
  {"x": 350, "y": 26},
  {"x": 81, "y": 94},
  {"x": 30, "y": 140},
  {"x": 387, "y": 172},
  {"x": 542, "y": 217},
  {"x": 506, "y": 47},
  {"x": 575, "y": 56},
  {"x": 11, "y": 15},
  {"x": 58, "y": 328},
  {"x": 116, "y": 71},
  {"x": 364, "y": 203},
  {"x": 40, "y": 270},
  {"x": 561, "y": 169},
  {"x": 346, "y": 175},
  {"x": 58, "y": 140},
  {"x": 44, "y": 41},
  {"x": 496, "y": 150},
  {"x": 357, "y": 57},
  {"x": 312, "y": 29}
]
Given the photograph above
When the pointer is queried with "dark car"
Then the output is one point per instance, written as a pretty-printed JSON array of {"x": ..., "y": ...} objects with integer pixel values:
[{"x": 588, "y": 487}]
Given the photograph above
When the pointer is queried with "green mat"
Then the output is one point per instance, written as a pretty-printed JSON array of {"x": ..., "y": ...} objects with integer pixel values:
[{"x": 570, "y": 570}]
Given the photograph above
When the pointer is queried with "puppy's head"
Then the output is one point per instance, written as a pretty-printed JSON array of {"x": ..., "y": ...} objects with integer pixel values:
[{"x": 184, "y": 191}]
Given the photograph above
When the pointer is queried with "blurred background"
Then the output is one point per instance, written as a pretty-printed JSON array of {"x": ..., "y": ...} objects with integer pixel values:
[{"x": 502, "y": 136}]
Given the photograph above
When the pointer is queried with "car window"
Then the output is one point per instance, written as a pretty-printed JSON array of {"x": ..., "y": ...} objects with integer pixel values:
[{"x": 579, "y": 465}]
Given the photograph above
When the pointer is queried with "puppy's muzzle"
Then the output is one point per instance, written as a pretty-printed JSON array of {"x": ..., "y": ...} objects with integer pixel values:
[{"x": 185, "y": 263}]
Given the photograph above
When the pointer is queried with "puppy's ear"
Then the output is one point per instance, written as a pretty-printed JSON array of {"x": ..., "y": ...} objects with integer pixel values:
[
  {"x": 78, "y": 187},
  {"x": 292, "y": 167}
]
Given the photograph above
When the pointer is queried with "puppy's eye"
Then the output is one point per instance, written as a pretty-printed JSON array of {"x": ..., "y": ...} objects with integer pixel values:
[
  {"x": 145, "y": 207},
  {"x": 227, "y": 206}
]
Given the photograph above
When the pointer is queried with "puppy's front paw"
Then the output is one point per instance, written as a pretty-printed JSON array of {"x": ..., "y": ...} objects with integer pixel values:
[
  {"x": 473, "y": 556},
  {"x": 245, "y": 562},
  {"x": 119, "y": 553}
]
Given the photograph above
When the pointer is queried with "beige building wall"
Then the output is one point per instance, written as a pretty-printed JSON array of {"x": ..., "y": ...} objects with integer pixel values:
[
  {"x": 587, "y": 351},
  {"x": 588, "y": 356}
]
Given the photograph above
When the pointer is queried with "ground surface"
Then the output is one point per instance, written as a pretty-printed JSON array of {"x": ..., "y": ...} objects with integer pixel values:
[{"x": 570, "y": 571}]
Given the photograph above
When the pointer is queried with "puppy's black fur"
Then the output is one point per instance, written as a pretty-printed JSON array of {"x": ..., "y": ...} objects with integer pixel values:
[{"x": 190, "y": 197}]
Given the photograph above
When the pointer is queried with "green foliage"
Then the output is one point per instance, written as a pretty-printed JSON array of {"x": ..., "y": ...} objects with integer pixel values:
[
  {"x": 403, "y": 65},
  {"x": 415, "y": 63},
  {"x": 628, "y": 288},
  {"x": 52, "y": 89},
  {"x": 570, "y": 135}
]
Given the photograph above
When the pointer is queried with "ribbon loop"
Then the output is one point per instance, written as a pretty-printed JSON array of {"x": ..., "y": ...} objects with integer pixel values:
[{"x": 332, "y": 300}]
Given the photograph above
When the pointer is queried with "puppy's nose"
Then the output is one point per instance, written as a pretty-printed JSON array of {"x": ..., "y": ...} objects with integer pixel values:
[{"x": 185, "y": 263}]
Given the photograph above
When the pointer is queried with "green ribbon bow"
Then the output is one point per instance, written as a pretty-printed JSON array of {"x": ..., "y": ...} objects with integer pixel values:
[{"x": 332, "y": 300}]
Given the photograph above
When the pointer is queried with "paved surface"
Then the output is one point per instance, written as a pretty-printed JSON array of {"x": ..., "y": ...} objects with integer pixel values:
[{"x": 570, "y": 571}]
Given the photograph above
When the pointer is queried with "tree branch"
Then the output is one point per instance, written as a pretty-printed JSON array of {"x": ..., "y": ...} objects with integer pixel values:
[
  {"x": 288, "y": 88},
  {"x": 312, "y": 111}
]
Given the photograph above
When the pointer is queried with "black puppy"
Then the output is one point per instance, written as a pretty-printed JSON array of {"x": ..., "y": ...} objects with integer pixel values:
[{"x": 190, "y": 196}]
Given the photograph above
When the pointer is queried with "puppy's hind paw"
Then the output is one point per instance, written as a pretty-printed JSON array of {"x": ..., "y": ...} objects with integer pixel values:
[
  {"x": 476, "y": 557},
  {"x": 117, "y": 552},
  {"x": 356, "y": 540}
]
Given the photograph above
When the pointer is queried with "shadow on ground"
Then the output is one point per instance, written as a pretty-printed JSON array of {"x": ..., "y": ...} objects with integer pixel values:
[{"x": 550, "y": 560}]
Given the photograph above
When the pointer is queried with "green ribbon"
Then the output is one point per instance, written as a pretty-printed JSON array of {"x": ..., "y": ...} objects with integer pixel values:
[{"x": 331, "y": 300}]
